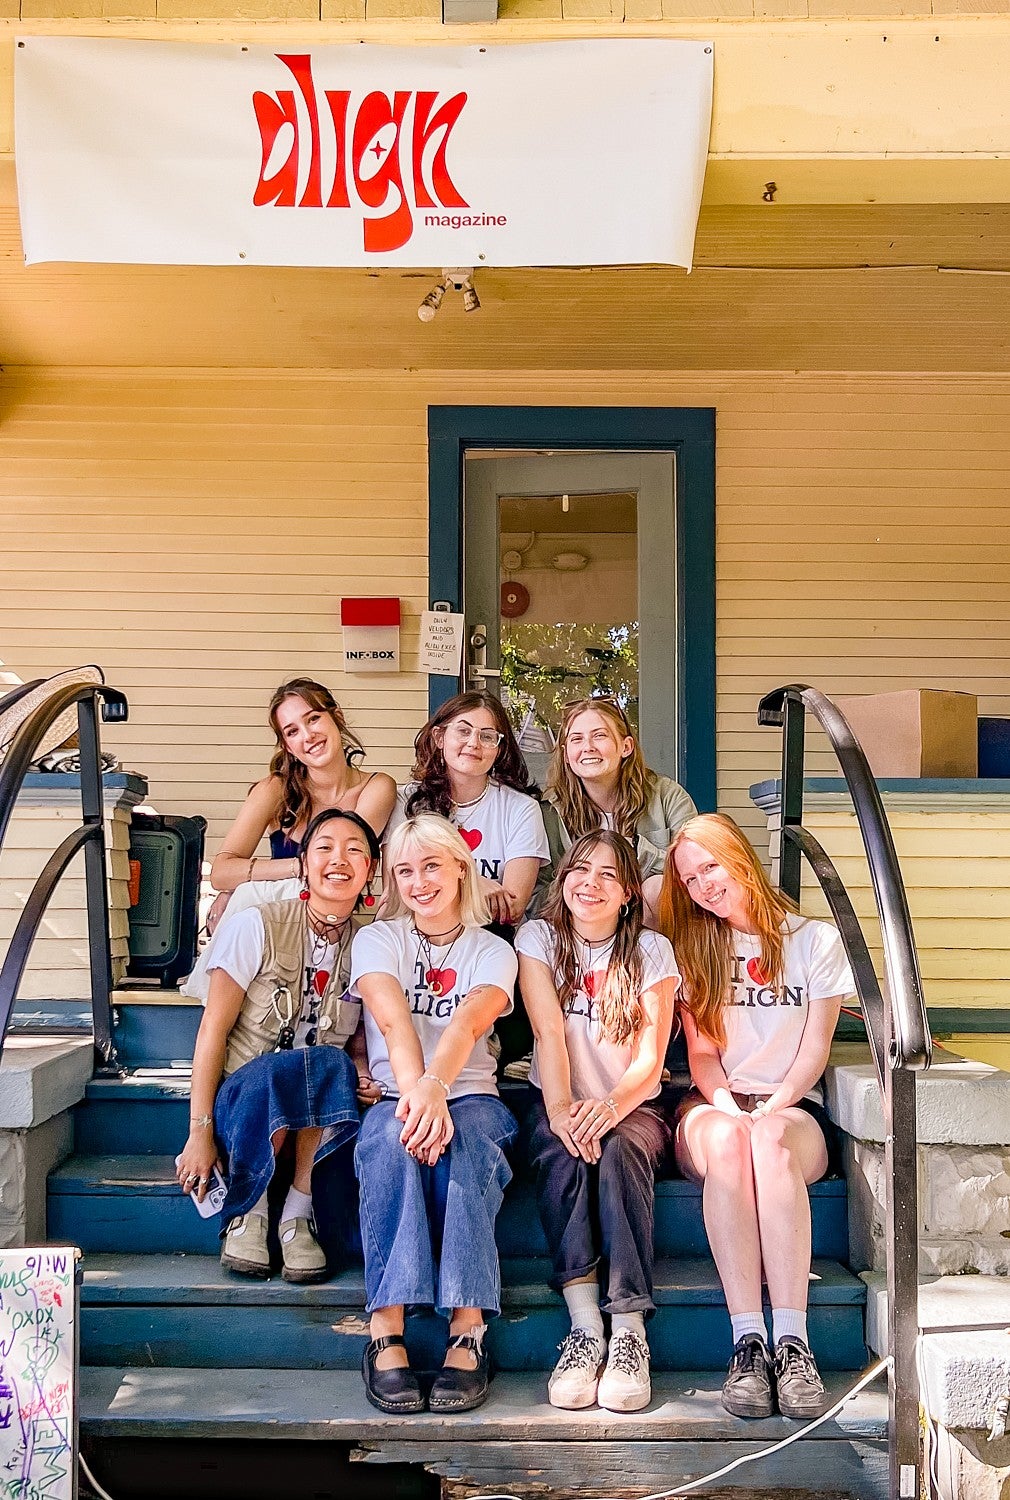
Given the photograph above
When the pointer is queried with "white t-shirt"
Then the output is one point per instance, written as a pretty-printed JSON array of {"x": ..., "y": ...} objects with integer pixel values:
[
  {"x": 476, "y": 957},
  {"x": 239, "y": 951},
  {"x": 764, "y": 1027},
  {"x": 597, "y": 1065},
  {"x": 503, "y": 825}
]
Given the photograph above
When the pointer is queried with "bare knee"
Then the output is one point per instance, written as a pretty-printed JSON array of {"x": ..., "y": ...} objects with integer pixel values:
[
  {"x": 726, "y": 1148},
  {"x": 773, "y": 1145}
]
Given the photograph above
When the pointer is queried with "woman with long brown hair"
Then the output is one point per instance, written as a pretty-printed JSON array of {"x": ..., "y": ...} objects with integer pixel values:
[
  {"x": 313, "y": 767},
  {"x": 598, "y": 779},
  {"x": 600, "y": 993},
  {"x": 763, "y": 987},
  {"x": 468, "y": 768}
]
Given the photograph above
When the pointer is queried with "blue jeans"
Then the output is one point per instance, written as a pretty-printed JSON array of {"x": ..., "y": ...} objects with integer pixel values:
[{"x": 428, "y": 1232}]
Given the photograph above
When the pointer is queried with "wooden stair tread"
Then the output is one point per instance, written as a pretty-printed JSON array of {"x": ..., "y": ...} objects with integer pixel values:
[
  {"x": 331, "y": 1404},
  {"x": 147, "y": 1280}
]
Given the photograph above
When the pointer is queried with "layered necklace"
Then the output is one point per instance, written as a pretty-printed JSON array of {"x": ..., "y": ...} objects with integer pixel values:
[
  {"x": 461, "y": 809},
  {"x": 584, "y": 959},
  {"x": 428, "y": 940},
  {"x": 321, "y": 940}
]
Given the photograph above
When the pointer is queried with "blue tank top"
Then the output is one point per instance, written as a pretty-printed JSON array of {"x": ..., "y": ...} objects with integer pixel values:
[{"x": 282, "y": 846}]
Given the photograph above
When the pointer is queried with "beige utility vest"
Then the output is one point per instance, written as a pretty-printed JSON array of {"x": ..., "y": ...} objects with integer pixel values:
[{"x": 274, "y": 997}]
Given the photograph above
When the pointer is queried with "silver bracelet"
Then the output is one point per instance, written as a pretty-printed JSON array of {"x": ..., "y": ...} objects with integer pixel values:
[{"x": 434, "y": 1078}]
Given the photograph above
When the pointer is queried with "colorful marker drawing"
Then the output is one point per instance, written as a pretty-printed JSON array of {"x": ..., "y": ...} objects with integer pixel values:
[{"x": 38, "y": 1361}]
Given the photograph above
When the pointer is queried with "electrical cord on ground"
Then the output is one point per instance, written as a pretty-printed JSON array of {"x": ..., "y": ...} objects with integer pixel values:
[
  {"x": 749, "y": 1458},
  {"x": 102, "y": 1494}
]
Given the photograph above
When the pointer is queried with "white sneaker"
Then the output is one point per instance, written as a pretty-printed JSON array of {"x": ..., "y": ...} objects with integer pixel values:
[
  {"x": 576, "y": 1375},
  {"x": 625, "y": 1384}
]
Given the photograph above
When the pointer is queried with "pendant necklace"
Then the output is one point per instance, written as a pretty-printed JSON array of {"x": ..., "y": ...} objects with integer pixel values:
[
  {"x": 460, "y": 807},
  {"x": 424, "y": 945},
  {"x": 584, "y": 965}
]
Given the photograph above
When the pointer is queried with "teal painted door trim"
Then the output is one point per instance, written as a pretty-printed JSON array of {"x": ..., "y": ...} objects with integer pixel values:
[{"x": 689, "y": 432}]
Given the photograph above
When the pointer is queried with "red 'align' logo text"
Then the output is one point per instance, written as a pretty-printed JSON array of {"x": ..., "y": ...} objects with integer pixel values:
[{"x": 367, "y": 147}]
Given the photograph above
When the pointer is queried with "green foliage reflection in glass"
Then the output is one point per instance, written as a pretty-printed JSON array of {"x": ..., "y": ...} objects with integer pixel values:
[{"x": 543, "y": 667}]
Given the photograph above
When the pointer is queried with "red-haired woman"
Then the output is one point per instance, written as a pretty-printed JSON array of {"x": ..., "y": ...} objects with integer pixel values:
[
  {"x": 599, "y": 779},
  {"x": 468, "y": 768},
  {"x": 762, "y": 991}
]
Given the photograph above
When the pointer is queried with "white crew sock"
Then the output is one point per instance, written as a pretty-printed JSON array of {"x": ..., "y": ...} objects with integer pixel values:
[
  {"x": 789, "y": 1320},
  {"x": 582, "y": 1298},
  {"x": 633, "y": 1320},
  {"x": 296, "y": 1206},
  {"x": 260, "y": 1207},
  {"x": 747, "y": 1323}
]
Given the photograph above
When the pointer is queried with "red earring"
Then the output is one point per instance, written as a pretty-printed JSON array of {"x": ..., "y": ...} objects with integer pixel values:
[
  {"x": 368, "y": 901},
  {"x": 303, "y": 895}
]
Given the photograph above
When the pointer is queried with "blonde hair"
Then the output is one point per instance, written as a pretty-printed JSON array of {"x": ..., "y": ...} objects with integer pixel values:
[
  {"x": 635, "y": 782},
  {"x": 427, "y": 832},
  {"x": 704, "y": 943}
]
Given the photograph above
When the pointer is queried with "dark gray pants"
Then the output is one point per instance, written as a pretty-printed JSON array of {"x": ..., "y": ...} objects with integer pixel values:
[{"x": 602, "y": 1213}]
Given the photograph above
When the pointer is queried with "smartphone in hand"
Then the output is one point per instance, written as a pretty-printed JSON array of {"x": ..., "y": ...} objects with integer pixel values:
[{"x": 214, "y": 1197}]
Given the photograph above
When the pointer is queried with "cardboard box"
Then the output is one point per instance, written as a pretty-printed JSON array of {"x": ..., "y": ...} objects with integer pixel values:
[{"x": 919, "y": 733}]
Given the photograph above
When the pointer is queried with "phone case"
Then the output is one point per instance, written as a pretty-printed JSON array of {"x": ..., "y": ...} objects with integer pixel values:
[{"x": 215, "y": 1195}]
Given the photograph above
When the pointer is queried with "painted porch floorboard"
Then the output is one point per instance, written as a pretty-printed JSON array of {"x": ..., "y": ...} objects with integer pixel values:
[
  {"x": 331, "y": 1404},
  {"x": 151, "y": 1280}
]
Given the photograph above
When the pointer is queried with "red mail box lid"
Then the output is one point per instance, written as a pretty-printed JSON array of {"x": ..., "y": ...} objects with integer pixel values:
[{"x": 369, "y": 611}]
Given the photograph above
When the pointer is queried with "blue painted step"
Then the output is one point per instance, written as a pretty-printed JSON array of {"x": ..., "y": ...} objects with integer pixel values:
[
  {"x": 186, "y": 1311},
  {"x": 133, "y": 1203}
]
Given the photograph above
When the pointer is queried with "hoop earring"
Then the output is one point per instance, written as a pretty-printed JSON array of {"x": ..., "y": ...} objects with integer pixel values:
[{"x": 625, "y": 909}]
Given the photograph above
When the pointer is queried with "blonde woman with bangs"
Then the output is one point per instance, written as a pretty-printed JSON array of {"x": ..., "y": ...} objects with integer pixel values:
[
  {"x": 600, "y": 993},
  {"x": 430, "y": 1157},
  {"x": 598, "y": 779},
  {"x": 763, "y": 987}
]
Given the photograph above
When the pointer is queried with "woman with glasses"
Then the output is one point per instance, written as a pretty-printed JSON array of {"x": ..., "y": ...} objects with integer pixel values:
[
  {"x": 468, "y": 768},
  {"x": 598, "y": 779},
  {"x": 431, "y": 1156},
  {"x": 284, "y": 1035}
]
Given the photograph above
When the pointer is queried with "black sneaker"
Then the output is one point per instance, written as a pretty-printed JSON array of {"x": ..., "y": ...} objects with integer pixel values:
[
  {"x": 747, "y": 1389},
  {"x": 800, "y": 1389}
]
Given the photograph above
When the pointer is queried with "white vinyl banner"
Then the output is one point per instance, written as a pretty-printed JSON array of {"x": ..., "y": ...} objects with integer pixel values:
[{"x": 548, "y": 154}]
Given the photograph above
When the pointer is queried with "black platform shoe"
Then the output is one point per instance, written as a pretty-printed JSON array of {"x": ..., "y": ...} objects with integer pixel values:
[
  {"x": 462, "y": 1390},
  {"x": 395, "y": 1391}
]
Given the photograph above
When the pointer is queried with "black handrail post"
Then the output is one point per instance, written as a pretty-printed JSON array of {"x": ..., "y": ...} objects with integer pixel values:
[
  {"x": 790, "y": 856},
  {"x": 96, "y": 891},
  {"x": 902, "y": 1210}
]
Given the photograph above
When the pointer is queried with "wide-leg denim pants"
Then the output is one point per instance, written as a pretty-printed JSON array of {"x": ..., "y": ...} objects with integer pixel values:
[
  {"x": 428, "y": 1232},
  {"x": 603, "y": 1212}
]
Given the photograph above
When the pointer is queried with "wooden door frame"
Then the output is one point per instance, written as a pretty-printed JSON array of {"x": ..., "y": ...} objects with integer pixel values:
[{"x": 689, "y": 432}]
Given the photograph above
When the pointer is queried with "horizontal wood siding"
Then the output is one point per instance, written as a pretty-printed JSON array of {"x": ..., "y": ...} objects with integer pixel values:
[{"x": 194, "y": 534}]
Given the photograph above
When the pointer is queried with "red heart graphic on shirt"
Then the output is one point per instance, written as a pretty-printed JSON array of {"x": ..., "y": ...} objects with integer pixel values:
[
  {"x": 756, "y": 972},
  {"x": 594, "y": 981},
  {"x": 440, "y": 981},
  {"x": 471, "y": 837},
  {"x": 320, "y": 980}
]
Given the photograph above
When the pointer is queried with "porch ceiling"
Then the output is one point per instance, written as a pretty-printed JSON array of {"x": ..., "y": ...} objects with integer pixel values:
[{"x": 843, "y": 287}]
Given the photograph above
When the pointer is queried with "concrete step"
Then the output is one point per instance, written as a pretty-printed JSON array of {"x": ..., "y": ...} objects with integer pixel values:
[
  {"x": 133, "y": 1203},
  {"x": 515, "y": 1441},
  {"x": 186, "y": 1310}
]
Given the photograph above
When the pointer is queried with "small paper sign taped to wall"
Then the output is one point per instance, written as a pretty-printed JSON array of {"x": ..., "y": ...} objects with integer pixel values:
[{"x": 441, "y": 647}]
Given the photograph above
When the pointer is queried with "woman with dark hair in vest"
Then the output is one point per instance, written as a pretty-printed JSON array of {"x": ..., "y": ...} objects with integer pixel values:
[{"x": 284, "y": 1035}]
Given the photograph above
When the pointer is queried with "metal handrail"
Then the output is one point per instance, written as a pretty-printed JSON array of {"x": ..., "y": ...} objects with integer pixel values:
[
  {"x": 898, "y": 1029},
  {"x": 89, "y": 836},
  {"x": 910, "y": 1041}
]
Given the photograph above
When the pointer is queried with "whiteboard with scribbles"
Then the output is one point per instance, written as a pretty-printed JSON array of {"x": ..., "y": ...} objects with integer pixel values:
[{"x": 38, "y": 1373}]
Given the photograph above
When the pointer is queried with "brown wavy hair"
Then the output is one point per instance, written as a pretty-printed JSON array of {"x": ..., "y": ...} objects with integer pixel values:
[
  {"x": 619, "y": 1004},
  {"x": 295, "y": 804},
  {"x": 433, "y": 792},
  {"x": 703, "y": 942},
  {"x": 577, "y": 810}
]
